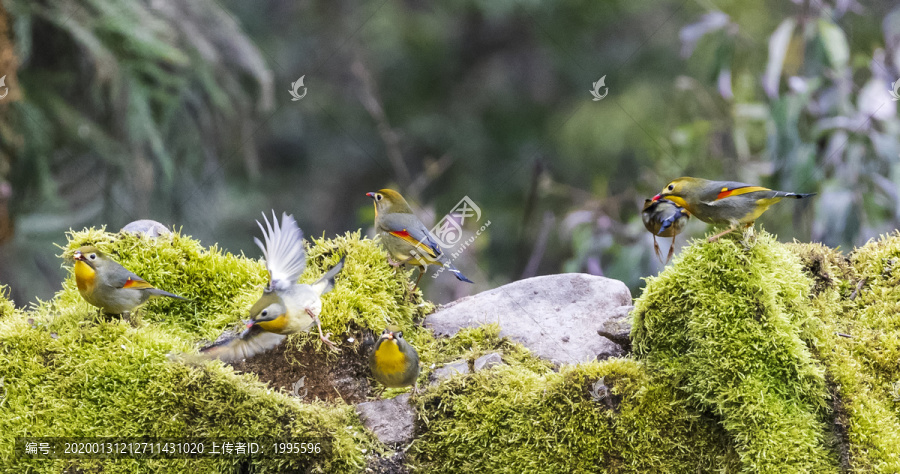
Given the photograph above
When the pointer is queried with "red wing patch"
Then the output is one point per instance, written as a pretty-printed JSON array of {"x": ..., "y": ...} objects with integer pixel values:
[
  {"x": 726, "y": 192},
  {"x": 136, "y": 284},
  {"x": 404, "y": 234}
]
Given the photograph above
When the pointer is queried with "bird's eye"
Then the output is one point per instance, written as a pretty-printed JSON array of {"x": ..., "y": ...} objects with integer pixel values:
[
  {"x": 400, "y": 335},
  {"x": 264, "y": 313},
  {"x": 671, "y": 187},
  {"x": 378, "y": 197},
  {"x": 93, "y": 256}
]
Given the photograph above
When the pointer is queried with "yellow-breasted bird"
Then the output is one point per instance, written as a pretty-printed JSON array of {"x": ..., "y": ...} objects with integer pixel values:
[
  {"x": 285, "y": 307},
  {"x": 405, "y": 237},
  {"x": 723, "y": 202},
  {"x": 394, "y": 362},
  {"x": 109, "y": 286},
  {"x": 664, "y": 218}
]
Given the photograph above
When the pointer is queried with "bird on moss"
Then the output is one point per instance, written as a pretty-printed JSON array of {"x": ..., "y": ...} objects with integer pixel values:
[
  {"x": 405, "y": 237},
  {"x": 723, "y": 202},
  {"x": 394, "y": 362},
  {"x": 664, "y": 218},
  {"x": 109, "y": 286},
  {"x": 285, "y": 307}
]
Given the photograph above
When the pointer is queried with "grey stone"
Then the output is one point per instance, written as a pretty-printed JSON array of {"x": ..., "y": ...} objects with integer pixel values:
[
  {"x": 555, "y": 316},
  {"x": 392, "y": 421},
  {"x": 148, "y": 227},
  {"x": 487, "y": 361},
  {"x": 449, "y": 369}
]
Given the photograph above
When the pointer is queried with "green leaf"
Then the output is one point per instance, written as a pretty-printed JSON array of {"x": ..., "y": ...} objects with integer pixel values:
[
  {"x": 778, "y": 46},
  {"x": 835, "y": 43}
]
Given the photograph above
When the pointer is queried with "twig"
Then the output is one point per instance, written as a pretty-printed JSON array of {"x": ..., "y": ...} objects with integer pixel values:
[
  {"x": 390, "y": 138},
  {"x": 540, "y": 246},
  {"x": 858, "y": 287}
]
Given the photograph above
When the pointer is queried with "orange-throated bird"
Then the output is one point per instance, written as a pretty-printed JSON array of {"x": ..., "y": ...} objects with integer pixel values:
[
  {"x": 405, "y": 237},
  {"x": 109, "y": 286},
  {"x": 285, "y": 307},
  {"x": 394, "y": 362},
  {"x": 723, "y": 202}
]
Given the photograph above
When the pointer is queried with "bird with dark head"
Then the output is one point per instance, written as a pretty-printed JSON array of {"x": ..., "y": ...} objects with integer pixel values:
[
  {"x": 664, "y": 218},
  {"x": 405, "y": 237},
  {"x": 285, "y": 307},
  {"x": 394, "y": 362},
  {"x": 109, "y": 286},
  {"x": 723, "y": 202}
]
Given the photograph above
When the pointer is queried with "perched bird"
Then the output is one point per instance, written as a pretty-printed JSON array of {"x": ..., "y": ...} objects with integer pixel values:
[
  {"x": 723, "y": 202},
  {"x": 286, "y": 307},
  {"x": 109, "y": 286},
  {"x": 664, "y": 218},
  {"x": 394, "y": 362},
  {"x": 404, "y": 236}
]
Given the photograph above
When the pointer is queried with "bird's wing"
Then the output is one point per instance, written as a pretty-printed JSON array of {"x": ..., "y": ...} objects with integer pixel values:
[
  {"x": 411, "y": 229},
  {"x": 124, "y": 278},
  {"x": 253, "y": 341},
  {"x": 326, "y": 283},
  {"x": 731, "y": 189},
  {"x": 283, "y": 250}
]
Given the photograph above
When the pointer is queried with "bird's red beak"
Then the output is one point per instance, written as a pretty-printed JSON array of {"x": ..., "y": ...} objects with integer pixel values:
[
  {"x": 250, "y": 324},
  {"x": 389, "y": 336},
  {"x": 78, "y": 255},
  {"x": 657, "y": 197},
  {"x": 371, "y": 195}
]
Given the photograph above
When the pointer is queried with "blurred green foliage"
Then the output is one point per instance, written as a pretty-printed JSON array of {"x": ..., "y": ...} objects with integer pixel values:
[{"x": 462, "y": 98}]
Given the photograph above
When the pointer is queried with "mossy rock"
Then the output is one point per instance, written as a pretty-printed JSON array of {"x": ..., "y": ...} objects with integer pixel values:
[{"x": 69, "y": 372}]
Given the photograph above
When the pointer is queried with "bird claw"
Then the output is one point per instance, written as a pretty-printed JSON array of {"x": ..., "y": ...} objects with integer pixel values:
[{"x": 393, "y": 262}]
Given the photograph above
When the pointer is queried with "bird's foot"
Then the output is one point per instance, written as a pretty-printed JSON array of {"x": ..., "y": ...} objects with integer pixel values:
[
  {"x": 393, "y": 262},
  {"x": 720, "y": 234},
  {"x": 323, "y": 337},
  {"x": 656, "y": 249}
]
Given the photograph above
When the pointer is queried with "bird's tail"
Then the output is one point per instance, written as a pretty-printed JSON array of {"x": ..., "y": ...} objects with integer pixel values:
[
  {"x": 458, "y": 274},
  {"x": 326, "y": 283},
  {"x": 795, "y": 195},
  {"x": 158, "y": 292}
]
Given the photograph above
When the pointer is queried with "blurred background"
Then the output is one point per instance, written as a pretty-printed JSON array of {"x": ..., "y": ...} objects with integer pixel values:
[{"x": 182, "y": 111}]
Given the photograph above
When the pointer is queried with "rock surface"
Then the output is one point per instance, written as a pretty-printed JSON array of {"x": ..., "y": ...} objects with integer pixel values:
[
  {"x": 449, "y": 369},
  {"x": 487, "y": 361},
  {"x": 555, "y": 316},
  {"x": 148, "y": 227},
  {"x": 392, "y": 420}
]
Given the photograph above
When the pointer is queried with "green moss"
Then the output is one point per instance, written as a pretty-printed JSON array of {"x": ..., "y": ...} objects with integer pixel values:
[
  {"x": 513, "y": 419},
  {"x": 729, "y": 324},
  {"x": 861, "y": 300},
  {"x": 72, "y": 373}
]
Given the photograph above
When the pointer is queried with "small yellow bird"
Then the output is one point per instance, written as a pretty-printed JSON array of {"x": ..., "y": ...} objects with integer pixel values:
[
  {"x": 405, "y": 237},
  {"x": 285, "y": 307},
  {"x": 109, "y": 286},
  {"x": 394, "y": 362},
  {"x": 723, "y": 202},
  {"x": 664, "y": 218}
]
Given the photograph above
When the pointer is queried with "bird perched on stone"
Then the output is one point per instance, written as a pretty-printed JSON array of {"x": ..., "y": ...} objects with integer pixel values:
[
  {"x": 394, "y": 362},
  {"x": 285, "y": 307},
  {"x": 723, "y": 202},
  {"x": 405, "y": 237},
  {"x": 109, "y": 286},
  {"x": 664, "y": 218}
]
